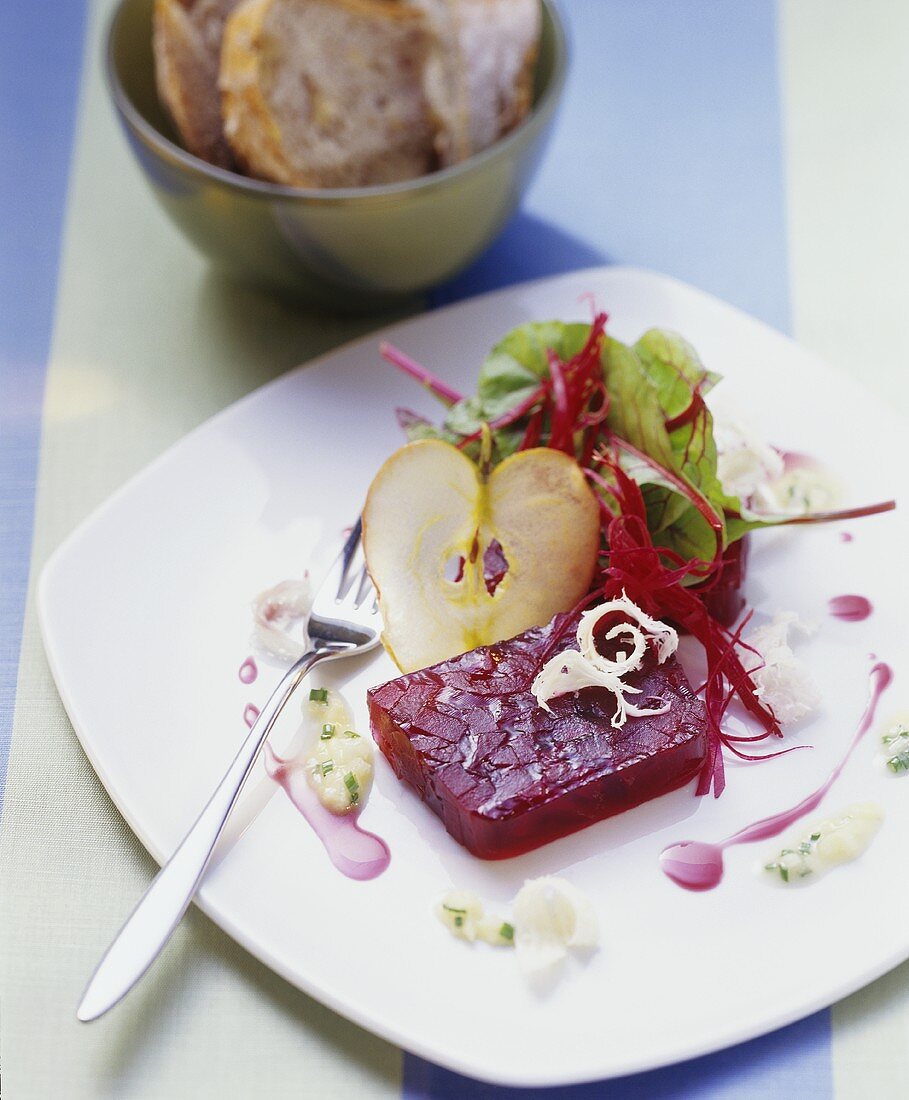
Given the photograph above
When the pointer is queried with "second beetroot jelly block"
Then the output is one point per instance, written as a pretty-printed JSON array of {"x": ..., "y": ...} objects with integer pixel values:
[{"x": 506, "y": 776}]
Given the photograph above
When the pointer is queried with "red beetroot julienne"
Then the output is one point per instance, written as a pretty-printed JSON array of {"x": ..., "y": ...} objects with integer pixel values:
[
  {"x": 574, "y": 387},
  {"x": 403, "y": 362},
  {"x": 637, "y": 568},
  {"x": 565, "y": 401}
]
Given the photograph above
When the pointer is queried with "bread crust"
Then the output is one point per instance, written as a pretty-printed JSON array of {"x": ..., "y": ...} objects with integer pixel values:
[
  {"x": 243, "y": 106},
  {"x": 186, "y": 37}
]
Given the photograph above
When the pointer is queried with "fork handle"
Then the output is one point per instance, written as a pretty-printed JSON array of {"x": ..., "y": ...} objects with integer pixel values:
[{"x": 151, "y": 923}]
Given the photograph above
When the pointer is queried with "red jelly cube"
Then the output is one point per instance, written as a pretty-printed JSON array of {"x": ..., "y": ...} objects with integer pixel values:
[{"x": 506, "y": 776}]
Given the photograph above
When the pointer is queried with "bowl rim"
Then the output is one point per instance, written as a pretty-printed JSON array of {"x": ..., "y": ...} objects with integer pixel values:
[{"x": 263, "y": 189}]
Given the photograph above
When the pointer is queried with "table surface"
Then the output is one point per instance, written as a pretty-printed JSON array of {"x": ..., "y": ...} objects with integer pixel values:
[{"x": 758, "y": 150}]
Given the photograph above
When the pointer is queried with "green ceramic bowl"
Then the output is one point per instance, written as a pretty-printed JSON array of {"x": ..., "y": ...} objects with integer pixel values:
[{"x": 357, "y": 248}]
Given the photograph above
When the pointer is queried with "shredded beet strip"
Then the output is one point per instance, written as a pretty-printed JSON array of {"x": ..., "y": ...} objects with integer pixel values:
[
  {"x": 634, "y": 566},
  {"x": 682, "y": 487},
  {"x": 563, "y": 399},
  {"x": 689, "y": 414},
  {"x": 403, "y": 362},
  {"x": 534, "y": 432},
  {"x": 576, "y": 385},
  {"x": 507, "y": 419},
  {"x": 561, "y": 423}
]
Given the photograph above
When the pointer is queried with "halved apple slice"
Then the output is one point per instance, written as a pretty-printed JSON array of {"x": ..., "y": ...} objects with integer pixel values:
[{"x": 461, "y": 559}]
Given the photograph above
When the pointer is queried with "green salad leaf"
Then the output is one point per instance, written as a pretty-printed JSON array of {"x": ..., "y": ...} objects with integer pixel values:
[
  {"x": 520, "y": 360},
  {"x": 675, "y": 370},
  {"x": 654, "y": 401},
  {"x": 669, "y": 381}
]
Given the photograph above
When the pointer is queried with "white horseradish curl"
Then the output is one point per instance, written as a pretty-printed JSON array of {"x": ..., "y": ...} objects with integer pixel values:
[
  {"x": 274, "y": 611},
  {"x": 584, "y": 667}
]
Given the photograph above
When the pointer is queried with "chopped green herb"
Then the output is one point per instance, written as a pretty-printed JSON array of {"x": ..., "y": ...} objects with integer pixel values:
[
  {"x": 896, "y": 733},
  {"x": 900, "y": 762},
  {"x": 328, "y": 731},
  {"x": 353, "y": 788},
  {"x": 507, "y": 931},
  {"x": 793, "y": 861},
  {"x": 458, "y": 915},
  {"x": 318, "y": 695},
  {"x": 897, "y": 737},
  {"x": 350, "y": 733},
  {"x": 328, "y": 766},
  {"x": 815, "y": 836}
]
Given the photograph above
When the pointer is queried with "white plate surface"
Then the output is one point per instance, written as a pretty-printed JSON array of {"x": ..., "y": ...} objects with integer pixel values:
[{"x": 145, "y": 618}]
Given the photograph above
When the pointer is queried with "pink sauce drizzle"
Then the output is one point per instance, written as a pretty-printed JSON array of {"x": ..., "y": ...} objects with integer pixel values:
[
  {"x": 697, "y": 865},
  {"x": 851, "y": 609},
  {"x": 249, "y": 670},
  {"x": 845, "y": 536},
  {"x": 356, "y": 853},
  {"x": 250, "y": 714}
]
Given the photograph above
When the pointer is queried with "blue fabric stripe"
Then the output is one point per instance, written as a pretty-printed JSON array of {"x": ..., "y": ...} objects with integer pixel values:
[
  {"x": 668, "y": 154},
  {"x": 40, "y": 62},
  {"x": 791, "y": 1062}
]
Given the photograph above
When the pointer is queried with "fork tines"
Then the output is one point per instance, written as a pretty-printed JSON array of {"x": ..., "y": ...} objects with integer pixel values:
[{"x": 354, "y": 584}]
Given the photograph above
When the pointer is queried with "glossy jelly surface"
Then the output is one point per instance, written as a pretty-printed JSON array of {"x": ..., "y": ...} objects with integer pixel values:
[{"x": 506, "y": 776}]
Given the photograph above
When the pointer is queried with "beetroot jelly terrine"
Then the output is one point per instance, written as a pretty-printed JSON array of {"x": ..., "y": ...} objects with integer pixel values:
[{"x": 504, "y": 775}]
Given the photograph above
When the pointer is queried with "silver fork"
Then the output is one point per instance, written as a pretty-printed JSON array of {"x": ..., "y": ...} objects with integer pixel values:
[{"x": 344, "y": 622}]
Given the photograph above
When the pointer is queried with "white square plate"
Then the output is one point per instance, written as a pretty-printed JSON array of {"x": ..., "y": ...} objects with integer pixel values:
[{"x": 145, "y": 614}]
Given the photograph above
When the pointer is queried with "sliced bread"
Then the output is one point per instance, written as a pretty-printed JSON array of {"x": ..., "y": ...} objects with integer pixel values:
[
  {"x": 445, "y": 82},
  {"x": 498, "y": 41},
  {"x": 328, "y": 93},
  {"x": 186, "y": 40},
  {"x": 479, "y": 76}
]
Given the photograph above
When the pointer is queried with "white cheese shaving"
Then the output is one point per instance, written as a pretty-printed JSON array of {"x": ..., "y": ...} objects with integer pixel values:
[
  {"x": 782, "y": 682},
  {"x": 274, "y": 611},
  {"x": 575, "y": 669},
  {"x": 551, "y": 915},
  {"x": 745, "y": 462},
  {"x": 763, "y": 479}
]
